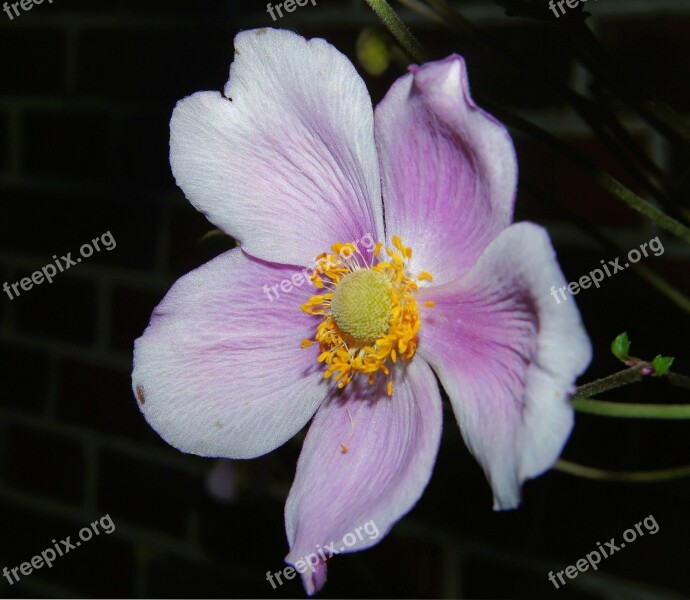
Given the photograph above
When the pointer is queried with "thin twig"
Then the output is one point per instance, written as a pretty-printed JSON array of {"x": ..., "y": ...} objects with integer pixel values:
[{"x": 624, "y": 476}]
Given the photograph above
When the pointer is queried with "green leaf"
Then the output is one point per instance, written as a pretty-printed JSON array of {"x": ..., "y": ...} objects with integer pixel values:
[
  {"x": 620, "y": 347},
  {"x": 661, "y": 364}
]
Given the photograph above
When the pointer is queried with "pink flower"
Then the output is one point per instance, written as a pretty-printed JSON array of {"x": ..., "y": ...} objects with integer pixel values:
[{"x": 290, "y": 160}]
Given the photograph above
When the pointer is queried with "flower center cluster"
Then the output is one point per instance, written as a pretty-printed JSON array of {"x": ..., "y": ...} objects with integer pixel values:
[
  {"x": 361, "y": 305},
  {"x": 369, "y": 317}
]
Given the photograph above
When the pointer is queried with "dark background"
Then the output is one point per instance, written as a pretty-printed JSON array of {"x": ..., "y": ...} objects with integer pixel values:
[{"x": 86, "y": 91}]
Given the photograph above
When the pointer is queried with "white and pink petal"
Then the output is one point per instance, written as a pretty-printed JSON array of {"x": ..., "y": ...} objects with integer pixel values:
[
  {"x": 284, "y": 160},
  {"x": 449, "y": 169},
  {"x": 508, "y": 356},
  {"x": 365, "y": 462},
  {"x": 220, "y": 370}
]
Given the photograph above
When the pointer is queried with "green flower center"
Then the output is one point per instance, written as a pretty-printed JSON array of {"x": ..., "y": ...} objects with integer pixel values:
[{"x": 361, "y": 305}]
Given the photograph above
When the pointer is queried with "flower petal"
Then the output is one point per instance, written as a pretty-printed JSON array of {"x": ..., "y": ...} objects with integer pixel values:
[
  {"x": 285, "y": 160},
  {"x": 315, "y": 578},
  {"x": 508, "y": 355},
  {"x": 449, "y": 169},
  {"x": 219, "y": 371},
  {"x": 389, "y": 446}
]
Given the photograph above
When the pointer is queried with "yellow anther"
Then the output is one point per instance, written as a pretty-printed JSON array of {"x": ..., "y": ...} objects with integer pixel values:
[{"x": 370, "y": 320}]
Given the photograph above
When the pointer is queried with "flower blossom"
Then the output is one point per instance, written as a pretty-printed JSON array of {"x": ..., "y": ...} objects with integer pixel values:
[{"x": 293, "y": 162}]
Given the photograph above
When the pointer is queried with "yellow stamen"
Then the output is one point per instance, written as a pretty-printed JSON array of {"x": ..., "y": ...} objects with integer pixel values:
[
  {"x": 369, "y": 317},
  {"x": 430, "y": 303}
]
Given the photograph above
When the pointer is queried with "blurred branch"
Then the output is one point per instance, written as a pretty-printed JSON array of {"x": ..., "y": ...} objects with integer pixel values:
[
  {"x": 599, "y": 117},
  {"x": 419, "y": 7},
  {"x": 595, "y": 57},
  {"x": 626, "y": 476},
  {"x": 633, "y": 411},
  {"x": 599, "y": 176},
  {"x": 663, "y": 286},
  {"x": 391, "y": 20},
  {"x": 658, "y": 282},
  {"x": 610, "y": 382},
  {"x": 639, "y": 371}
]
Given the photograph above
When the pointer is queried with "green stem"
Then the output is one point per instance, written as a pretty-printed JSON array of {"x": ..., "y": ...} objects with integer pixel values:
[
  {"x": 592, "y": 114},
  {"x": 600, "y": 176},
  {"x": 419, "y": 7},
  {"x": 398, "y": 29},
  {"x": 678, "y": 380},
  {"x": 583, "y": 403},
  {"x": 632, "y": 411},
  {"x": 663, "y": 286},
  {"x": 625, "y": 476},
  {"x": 635, "y": 373},
  {"x": 595, "y": 57},
  {"x": 651, "y": 277},
  {"x": 611, "y": 382}
]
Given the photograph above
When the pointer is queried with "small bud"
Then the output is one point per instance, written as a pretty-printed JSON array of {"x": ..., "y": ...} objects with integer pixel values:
[
  {"x": 661, "y": 364},
  {"x": 620, "y": 347}
]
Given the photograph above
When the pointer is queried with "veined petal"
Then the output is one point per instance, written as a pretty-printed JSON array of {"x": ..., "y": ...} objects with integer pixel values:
[
  {"x": 220, "y": 370},
  {"x": 508, "y": 355},
  {"x": 366, "y": 460},
  {"x": 285, "y": 159},
  {"x": 448, "y": 168}
]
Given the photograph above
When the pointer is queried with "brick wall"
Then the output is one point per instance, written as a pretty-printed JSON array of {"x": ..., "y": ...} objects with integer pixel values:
[{"x": 86, "y": 91}]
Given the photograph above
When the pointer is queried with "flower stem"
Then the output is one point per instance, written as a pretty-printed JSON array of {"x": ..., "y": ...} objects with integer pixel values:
[
  {"x": 593, "y": 55},
  {"x": 599, "y": 117},
  {"x": 650, "y": 276},
  {"x": 633, "y": 411},
  {"x": 663, "y": 286},
  {"x": 610, "y": 382},
  {"x": 638, "y": 371},
  {"x": 626, "y": 476},
  {"x": 583, "y": 403},
  {"x": 601, "y": 177},
  {"x": 398, "y": 29}
]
